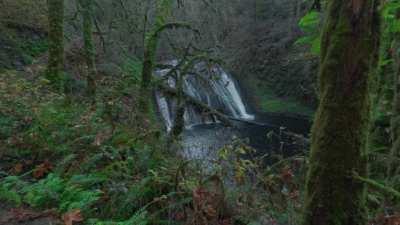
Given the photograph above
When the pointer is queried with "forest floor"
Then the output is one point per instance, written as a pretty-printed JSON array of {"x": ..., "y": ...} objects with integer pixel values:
[{"x": 25, "y": 216}]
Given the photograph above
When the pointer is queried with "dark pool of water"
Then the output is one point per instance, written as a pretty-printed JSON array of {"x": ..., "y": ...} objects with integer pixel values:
[{"x": 267, "y": 135}]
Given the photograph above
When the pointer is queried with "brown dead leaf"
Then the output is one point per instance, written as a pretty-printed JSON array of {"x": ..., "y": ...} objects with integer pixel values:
[
  {"x": 72, "y": 216},
  {"x": 42, "y": 169},
  {"x": 18, "y": 168},
  {"x": 287, "y": 174}
]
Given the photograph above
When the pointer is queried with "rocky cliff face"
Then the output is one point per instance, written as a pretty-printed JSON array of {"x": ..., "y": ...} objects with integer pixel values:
[
  {"x": 22, "y": 32},
  {"x": 272, "y": 61}
]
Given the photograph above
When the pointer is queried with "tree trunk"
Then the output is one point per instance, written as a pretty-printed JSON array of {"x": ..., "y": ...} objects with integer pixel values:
[
  {"x": 87, "y": 20},
  {"x": 179, "y": 121},
  {"x": 339, "y": 133},
  {"x": 395, "y": 120},
  {"x": 151, "y": 44},
  {"x": 55, "y": 65}
]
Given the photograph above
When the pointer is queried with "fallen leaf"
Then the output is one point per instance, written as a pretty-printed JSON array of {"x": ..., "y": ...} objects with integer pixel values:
[
  {"x": 72, "y": 216},
  {"x": 287, "y": 174},
  {"x": 18, "y": 168},
  {"x": 42, "y": 169}
]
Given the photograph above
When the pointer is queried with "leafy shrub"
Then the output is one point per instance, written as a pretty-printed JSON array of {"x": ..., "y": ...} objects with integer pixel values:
[
  {"x": 310, "y": 24},
  {"x": 389, "y": 14},
  {"x": 45, "y": 193},
  {"x": 74, "y": 197},
  {"x": 9, "y": 190}
]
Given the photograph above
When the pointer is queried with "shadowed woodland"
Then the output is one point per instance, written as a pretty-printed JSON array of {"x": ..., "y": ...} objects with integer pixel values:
[{"x": 200, "y": 112}]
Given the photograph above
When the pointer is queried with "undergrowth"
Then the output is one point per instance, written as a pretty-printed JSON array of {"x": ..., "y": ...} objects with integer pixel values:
[
  {"x": 71, "y": 155},
  {"x": 64, "y": 153}
]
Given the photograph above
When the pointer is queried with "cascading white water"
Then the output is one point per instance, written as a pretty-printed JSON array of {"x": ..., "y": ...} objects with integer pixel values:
[{"x": 210, "y": 85}]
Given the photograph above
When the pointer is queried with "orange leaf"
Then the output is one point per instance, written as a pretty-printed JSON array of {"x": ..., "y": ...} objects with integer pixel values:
[{"x": 72, "y": 216}]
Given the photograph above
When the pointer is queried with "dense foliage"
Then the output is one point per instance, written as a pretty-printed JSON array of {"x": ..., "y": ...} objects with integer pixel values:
[{"x": 81, "y": 141}]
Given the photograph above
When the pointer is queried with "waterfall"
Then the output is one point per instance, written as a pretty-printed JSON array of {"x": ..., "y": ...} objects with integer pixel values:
[{"x": 208, "y": 84}]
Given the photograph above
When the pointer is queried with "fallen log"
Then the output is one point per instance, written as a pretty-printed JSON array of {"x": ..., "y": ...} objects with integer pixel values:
[{"x": 226, "y": 120}]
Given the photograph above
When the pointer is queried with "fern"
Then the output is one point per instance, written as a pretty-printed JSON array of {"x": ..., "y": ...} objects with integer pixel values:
[
  {"x": 45, "y": 193},
  {"x": 310, "y": 25},
  {"x": 392, "y": 24},
  {"x": 310, "y": 21},
  {"x": 88, "y": 180},
  {"x": 9, "y": 190},
  {"x": 77, "y": 198},
  {"x": 139, "y": 218},
  {"x": 53, "y": 191}
]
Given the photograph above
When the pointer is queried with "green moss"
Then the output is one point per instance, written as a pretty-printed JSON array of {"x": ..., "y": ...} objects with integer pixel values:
[
  {"x": 268, "y": 101},
  {"x": 35, "y": 48},
  {"x": 271, "y": 103},
  {"x": 339, "y": 134}
]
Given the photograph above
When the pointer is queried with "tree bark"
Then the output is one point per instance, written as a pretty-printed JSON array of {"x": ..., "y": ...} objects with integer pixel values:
[
  {"x": 55, "y": 65},
  {"x": 339, "y": 133},
  {"x": 87, "y": 25},
  {"x": 151, "y": 44},
  {"x": 395, "y": 120},
  {"x": 179, "y": 121}
]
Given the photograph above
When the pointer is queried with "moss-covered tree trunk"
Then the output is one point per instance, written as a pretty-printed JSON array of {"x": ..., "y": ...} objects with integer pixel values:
[
  {"x": 339, "y": 133},
  {"x": 151, "y": 44},
  {"x": 395, "y": 121},
  {"x": 87, "y": 25},
  {"x": 55, "y": 65},
  {"x": 179, "y": 121}
]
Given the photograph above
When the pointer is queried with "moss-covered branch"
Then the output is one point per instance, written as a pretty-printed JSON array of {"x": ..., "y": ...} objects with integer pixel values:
[
  {"x": 192, "y": 101},
  {"x": 149, "y": 61},
  {"x": 380, "y": 187}
]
